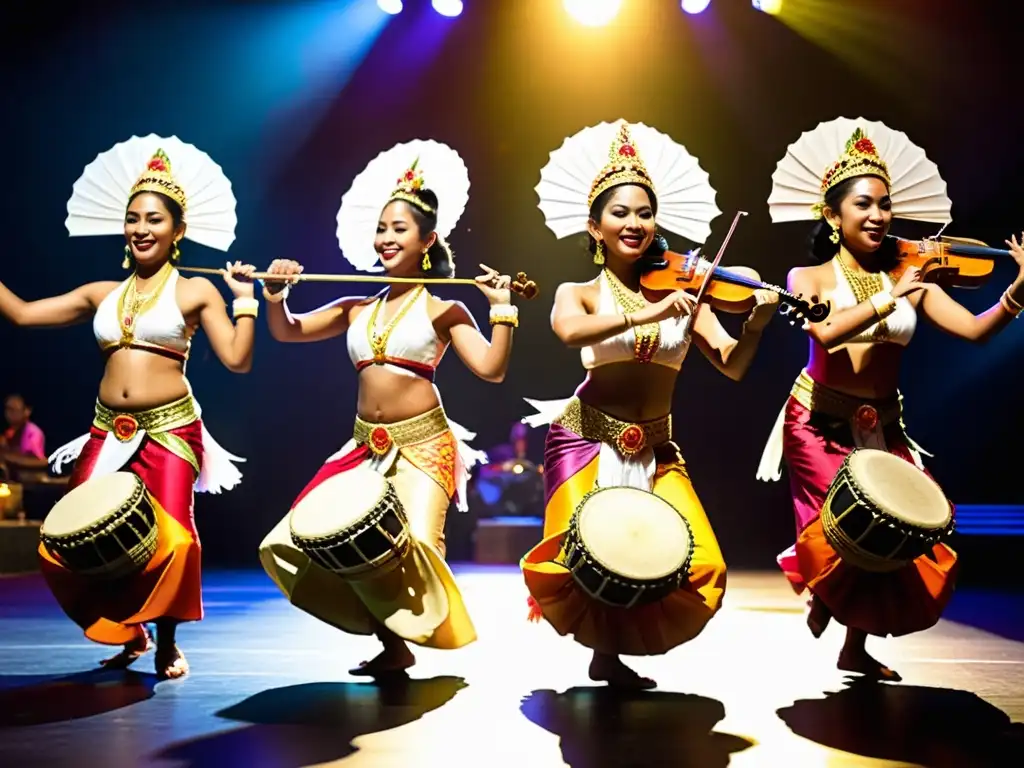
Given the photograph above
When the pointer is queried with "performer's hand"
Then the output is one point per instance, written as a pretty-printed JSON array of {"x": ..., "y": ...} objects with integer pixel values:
[
  {"x": 1017, "y": 252},
  {"x": 288, "y": 272},
  {"x": 676, "y": 304},
  {"x": 238, "y": 276},
  {"x": 494, "y": 286},
  {"x": 764, "y": 309},
  {"x": 908, "y": 283}
]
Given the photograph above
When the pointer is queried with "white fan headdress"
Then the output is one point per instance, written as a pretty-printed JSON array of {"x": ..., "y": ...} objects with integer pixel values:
[
  {"x": 845, "y": 148},
  {"x": 609, "y": 154},
  {"x": 153, "y": 163},
  {"x": 400, "y": 173}
]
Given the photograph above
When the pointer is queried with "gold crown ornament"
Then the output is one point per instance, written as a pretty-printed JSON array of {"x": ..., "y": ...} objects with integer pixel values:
[
  {"x": 625, "y": 166},
  {"x": 860, "y": 158},
  {"x": 409, "y": 185},
  {"x": 158, "y": 178}
]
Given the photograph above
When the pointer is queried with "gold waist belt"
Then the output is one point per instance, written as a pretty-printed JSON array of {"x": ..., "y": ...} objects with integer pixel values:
[
  {"x": 418, "y": 429},
  {"x": 627, "y": 437},
  {"x": 156, "y": 422},
  {"x": 865, "y": 414}
]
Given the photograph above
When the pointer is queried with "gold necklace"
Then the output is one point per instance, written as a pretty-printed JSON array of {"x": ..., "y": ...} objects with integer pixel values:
[
  {"x": 379, "y": 342},
  {"x": 865, "y": 285},
  {"x": 133, "y": 304},
  {"x": 647, "y": 337}
]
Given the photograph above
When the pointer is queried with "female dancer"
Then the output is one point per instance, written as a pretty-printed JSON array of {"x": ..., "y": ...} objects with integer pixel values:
[
  {"x": 147, "y": 421},
  {"x": 633, "y": 350},
  {"x": 396, "y": 340},
  {"x": 847, "y": 397}
]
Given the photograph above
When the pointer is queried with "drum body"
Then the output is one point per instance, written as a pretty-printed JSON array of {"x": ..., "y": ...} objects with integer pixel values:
[
  {"x": 627, "y": 547},
  {"x": 106, "y": 527},
  {"x": 882, "y": 512},
  {"x": 352, "y": 524}
]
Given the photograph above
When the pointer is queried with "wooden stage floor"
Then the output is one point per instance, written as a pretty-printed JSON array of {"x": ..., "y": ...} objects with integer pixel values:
[{"x": 269, "y": 689}]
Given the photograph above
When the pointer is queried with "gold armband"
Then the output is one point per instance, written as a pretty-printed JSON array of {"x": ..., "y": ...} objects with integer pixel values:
[
  {"x": 505, "y": 314},
  {"x": 245, "y": 307},
  {"x": 883, "y": 303},
  {"x": 1010, "y": 304}
]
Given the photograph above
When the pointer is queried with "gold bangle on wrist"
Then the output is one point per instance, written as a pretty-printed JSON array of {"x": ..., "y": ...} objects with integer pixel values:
[
  {"x": 245, "y": 307},
  {"x": 883, "y": 303},
  {"x": 504, "y": 314},
  {"x": 1010, "y": 304}
]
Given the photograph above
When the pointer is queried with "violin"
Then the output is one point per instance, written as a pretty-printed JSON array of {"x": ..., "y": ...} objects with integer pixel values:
[
  {"x": 730, "y": 290},
  {"x": 954, "y": 262}
]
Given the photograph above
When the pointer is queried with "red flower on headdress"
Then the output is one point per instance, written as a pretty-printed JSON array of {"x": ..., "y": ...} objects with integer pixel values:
[
  {"x": 157, "y": 164},
  {"x": 866, "y": 146},
  {"x": 626, "y": 150}
]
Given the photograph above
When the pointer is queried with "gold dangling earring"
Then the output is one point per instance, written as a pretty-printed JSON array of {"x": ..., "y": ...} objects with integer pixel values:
[
  {"x": 599, "y": 253},
  {"x": 425, "y": 263},
  {"x": 126, "y": 263},
  {"x": 834, "y": 237},
  {"x": 175, "y": 254}
]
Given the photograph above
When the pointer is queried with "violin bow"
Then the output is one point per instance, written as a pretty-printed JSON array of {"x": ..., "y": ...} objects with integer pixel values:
[
  {"x": 714, "y": 266},
  {"x": 521, "y": 285}
]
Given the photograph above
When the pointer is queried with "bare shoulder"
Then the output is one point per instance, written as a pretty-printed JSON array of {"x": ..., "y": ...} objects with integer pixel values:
[
  {"x": 811, "y": 277},
  {"x": 451, "y": 309},
  {"x": 585, "y": 293},
  {"x": 99, "y": 290}
]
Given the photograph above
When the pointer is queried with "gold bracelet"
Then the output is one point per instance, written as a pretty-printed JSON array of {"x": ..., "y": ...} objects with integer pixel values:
[
  {"x": 1011, "y": 306},
  {"x": 245, "y": 307},
  {"x": 883, "y": 303},
  {"x": 504, "y": 314}
]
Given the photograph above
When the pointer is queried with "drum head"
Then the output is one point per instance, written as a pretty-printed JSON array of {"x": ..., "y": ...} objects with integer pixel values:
[
  {"x": 899, "y": 488},
  {"x": 90, "y": 502},
  {"x": 634, "y": 533},
  {"x": 337, "y": 503}
]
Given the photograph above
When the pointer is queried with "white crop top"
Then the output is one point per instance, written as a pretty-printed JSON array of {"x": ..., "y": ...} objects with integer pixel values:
[
  {"x": 670, "y": 347},
  {"x": 158, "y": 328},
  {"x": 901, "y": 323},
  {"x": 408, "y": 343}
]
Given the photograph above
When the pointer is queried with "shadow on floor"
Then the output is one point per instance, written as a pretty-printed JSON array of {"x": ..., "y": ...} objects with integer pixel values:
[
  {"x": 934, "y": 727},
  {"x": 310, "y": 724},
  {"x": 39, "y": 699},
  {"x": 599, "y": 727}
]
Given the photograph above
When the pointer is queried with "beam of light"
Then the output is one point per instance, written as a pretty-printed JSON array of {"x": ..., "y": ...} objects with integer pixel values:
[
  {"x": 450, "y": 8},
  {"x": 593, "y": 13},
  {"x": 772, "y": 7},
  {"x": 390, "y": 6},
  {"x": 695, "y": 6}
]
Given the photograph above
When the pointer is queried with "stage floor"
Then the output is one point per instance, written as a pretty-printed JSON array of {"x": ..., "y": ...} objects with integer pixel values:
[{"x": 269, "y": 689}]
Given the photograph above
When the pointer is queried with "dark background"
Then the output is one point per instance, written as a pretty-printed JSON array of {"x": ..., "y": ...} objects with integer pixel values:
[{"x": 294, "y": 98}]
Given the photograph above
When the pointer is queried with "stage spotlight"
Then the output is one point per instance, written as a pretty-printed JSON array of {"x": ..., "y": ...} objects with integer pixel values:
[
  {"x": 767, "y": 6},
  {"x": 592, "y": 13},
  {"x": 447, "y": 7},
  {"x": 390, "y": 6},
  {"x": 695, "y": 6}
]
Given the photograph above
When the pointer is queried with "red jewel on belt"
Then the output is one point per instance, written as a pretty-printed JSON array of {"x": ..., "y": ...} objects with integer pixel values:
[
  {"x": 631, "y": 440},
  {"x": 125, "y": 427},
  {"x": 380, "y": 440},
  {"x": 866, "y": 418}
]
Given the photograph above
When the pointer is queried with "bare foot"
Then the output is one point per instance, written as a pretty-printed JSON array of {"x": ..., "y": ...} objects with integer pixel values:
[
  {"x": 611, "y": 670},
  {"x": 131, "y": 653},
  {"x": 388, "y": 661},
  {"x": 818, "y": 616},
  {"x": 860, "y": 661},
  {"x": 170, "y": 664}
]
